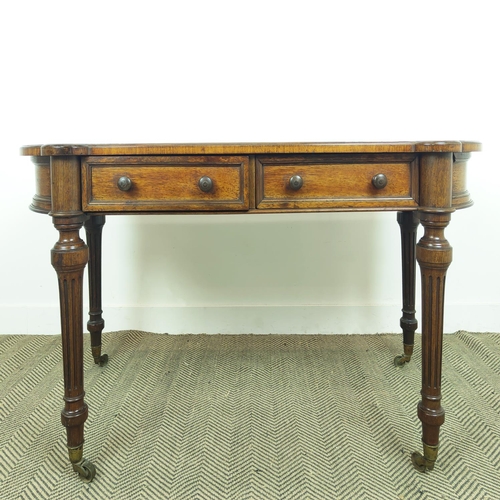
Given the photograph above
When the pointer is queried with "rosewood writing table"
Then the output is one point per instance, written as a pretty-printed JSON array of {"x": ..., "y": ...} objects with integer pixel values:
[{"x": 81, "y": 184}]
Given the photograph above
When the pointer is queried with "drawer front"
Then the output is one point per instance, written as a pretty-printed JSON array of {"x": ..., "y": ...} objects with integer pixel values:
[
  {"x": 340, "y": 182},
  {"x": 165, "y": 183}
]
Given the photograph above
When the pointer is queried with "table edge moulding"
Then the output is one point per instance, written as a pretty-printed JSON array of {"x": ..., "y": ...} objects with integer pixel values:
[{"x": 79, "y": 184}]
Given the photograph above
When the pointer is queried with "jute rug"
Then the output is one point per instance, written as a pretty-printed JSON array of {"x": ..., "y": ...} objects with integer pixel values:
[{"x": 250, "y": 417}]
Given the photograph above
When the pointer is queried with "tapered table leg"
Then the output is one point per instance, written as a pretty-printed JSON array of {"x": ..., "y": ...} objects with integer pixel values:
[
  {"x": 408, "y": 222},
  {"x": 95, "y": 324},
  {"x": 434, "y": 255},
  {"x": 69, "y": 258}
]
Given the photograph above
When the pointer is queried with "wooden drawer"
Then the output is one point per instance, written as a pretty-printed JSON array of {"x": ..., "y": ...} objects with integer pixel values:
[
  {"x": 164, "y": 183},
  {"x": 336, "y": 181}
]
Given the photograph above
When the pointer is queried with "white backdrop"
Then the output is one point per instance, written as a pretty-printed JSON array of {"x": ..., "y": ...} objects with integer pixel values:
[{"x": 199, "y": 71}]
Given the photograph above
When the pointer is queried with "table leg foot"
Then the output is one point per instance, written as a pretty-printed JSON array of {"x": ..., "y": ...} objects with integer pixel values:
[
  {"x": 404, "y": 358},
  {"x": 99, "y": 359},
  {"x": 85, "y": 468},
  {"x": 426, "y": 461}
]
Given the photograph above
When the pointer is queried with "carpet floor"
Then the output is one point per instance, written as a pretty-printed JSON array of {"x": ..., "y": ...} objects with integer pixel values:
[{"x": 250, "y": 417}]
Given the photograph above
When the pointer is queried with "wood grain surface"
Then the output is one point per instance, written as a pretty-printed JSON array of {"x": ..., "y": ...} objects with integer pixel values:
[
  {"x": 165, "y": 183},
  {"x": 251, "y": 148},
  {"x": 334, "y": 185}
]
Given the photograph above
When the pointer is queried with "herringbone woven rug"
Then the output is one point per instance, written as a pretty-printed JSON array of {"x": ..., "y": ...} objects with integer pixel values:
[{"x": 250, "y": 417}]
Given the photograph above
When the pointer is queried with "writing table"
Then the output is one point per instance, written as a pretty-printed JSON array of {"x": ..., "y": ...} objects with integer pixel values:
[{"x": 80, "y": 184}]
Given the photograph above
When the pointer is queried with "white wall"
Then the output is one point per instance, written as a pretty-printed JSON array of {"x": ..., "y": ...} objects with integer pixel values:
[{"x": 198, "y": 71}]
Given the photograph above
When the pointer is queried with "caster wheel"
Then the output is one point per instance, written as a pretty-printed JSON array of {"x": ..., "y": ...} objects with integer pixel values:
[
  {"x": 421, "y": 463},
  {"x": 86, "y": 470},
  {"x": 400, "y": 361}
]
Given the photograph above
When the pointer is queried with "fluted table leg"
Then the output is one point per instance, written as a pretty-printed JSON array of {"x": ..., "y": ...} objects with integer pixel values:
[
  {"x": 69, "y": 258},
  {"x": 434, "y": 255},
  {"x": 95, "y": 324},
  {"x": 408, "y": 222}
]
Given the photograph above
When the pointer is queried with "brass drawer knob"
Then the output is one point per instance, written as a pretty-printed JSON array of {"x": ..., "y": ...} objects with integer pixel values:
[
  {"x": 379, "y": 181},
  {"x": 124, "y": 183},
  {"x": 205, "y": 184},
  {"x": 296, "y": 182}
]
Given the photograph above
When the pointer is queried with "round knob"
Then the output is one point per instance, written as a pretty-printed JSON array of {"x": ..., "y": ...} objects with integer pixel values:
[
  {"x": 296, "y": 182},
  {"x": 205, "y": 184},
  {"x": 379, "y": 181},
  {"x": 124, "y": 183}
]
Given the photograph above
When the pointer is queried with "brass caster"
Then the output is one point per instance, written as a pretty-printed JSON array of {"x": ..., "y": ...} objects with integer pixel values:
[
  {"x": 85, "y": 469},
  {"x": 401, "y": 360},
  {"x": 420, "y": 462},
  {"x": 426, "y": 461},
  {"x": 101, "y": 360},
  {"x": 404, "y": 358}
]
